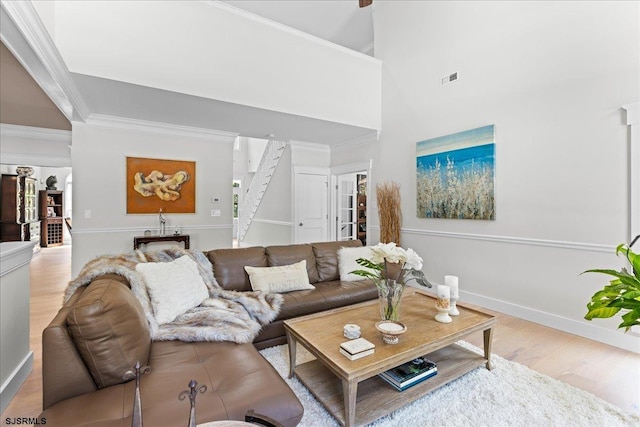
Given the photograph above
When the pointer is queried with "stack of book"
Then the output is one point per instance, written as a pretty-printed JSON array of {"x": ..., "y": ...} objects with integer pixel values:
[
  {"x": 410, "y": 373},
  {"x": 355, "y": 349}
]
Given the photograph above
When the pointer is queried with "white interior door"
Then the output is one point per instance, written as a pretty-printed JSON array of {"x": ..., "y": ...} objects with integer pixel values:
[
  {"x": 346, "y": 207},
  {"x": 311, "y": 207}
]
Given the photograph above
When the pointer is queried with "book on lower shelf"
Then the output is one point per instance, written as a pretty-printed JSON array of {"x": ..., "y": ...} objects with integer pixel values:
[
  {"x": 355, "y": 349},
  {"x": 410, "y": 373}
]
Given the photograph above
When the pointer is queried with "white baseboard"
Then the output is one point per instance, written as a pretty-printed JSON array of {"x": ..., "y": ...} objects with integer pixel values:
[
  {"x": 15, "y": 380},
  {"x": 629, "y": 341}
]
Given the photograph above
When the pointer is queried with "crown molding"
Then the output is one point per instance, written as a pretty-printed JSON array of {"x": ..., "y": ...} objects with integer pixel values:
[
  {"x": 352, "y": 167},
  {"x": 36, "y": 160},
  {"x": 356, "y": 142},
  {"x": 31, "y": 132},
  {"x": 25, "y": 35},
  {"x": 158, "y": 127},
  {"x": 310, "y": 146},
  {"x": 293, "y": 31}
]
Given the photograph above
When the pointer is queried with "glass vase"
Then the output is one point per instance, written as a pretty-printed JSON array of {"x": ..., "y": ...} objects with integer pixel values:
[{"x": 390, "y": 296}]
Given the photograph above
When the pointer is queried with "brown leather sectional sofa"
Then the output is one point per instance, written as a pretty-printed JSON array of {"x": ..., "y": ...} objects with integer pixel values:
[{"x": 237, "y": 377}]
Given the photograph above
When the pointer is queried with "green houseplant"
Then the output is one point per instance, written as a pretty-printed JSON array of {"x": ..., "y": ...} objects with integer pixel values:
[{"x": 622, "y": 293}]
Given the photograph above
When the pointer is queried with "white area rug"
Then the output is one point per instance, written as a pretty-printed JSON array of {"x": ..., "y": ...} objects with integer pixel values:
[{"x": 509, "y": 395}]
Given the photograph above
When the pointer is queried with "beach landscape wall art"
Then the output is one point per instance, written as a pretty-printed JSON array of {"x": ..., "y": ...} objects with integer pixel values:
[{"x": 456, "y": 175}]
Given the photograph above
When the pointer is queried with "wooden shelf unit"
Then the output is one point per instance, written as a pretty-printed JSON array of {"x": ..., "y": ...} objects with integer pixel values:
[
  {"x": 19, "y": 217},
  {"x": 52, "y": 217},
  {"x": 361, "y": 220},
  {"x": 361, "y": 208}
]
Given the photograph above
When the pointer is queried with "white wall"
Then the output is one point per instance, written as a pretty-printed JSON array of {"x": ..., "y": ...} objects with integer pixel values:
[
  {"x": 225, "y": 54},
  {"x": 551, "y": 77},
  {"x": 99, "y": 159}
]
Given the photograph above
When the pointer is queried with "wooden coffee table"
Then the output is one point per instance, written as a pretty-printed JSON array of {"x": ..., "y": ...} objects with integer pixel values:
[{"x": 338, "y": 382}]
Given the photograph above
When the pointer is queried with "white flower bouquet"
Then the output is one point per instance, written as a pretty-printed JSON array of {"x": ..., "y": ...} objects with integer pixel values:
[{"x": 390, "y": 268}]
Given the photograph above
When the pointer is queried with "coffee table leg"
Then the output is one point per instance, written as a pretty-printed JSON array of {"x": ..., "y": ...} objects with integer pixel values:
[
  {"x": 292, "y": 353},
  {"x": 350, "y": 391},
  {"x": 488, "y": 340}
]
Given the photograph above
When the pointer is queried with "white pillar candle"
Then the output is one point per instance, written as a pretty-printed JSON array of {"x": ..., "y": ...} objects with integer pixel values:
[
  {"x": 452, "y": 282},
  {"x": 443, "y": 301},
  {"x": 444, "y": 292}
]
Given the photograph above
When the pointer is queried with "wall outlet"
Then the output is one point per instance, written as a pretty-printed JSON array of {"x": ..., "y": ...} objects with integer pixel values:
[
  {"x": 87, "y": 214},
  {"x": 215, "y": 212}
]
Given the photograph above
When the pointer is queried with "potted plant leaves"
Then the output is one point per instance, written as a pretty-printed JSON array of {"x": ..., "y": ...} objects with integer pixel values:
[{"x": 622, "y": 294}]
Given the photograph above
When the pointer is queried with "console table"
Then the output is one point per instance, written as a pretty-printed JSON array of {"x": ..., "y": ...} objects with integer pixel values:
[{"x": 143, "y": 240}]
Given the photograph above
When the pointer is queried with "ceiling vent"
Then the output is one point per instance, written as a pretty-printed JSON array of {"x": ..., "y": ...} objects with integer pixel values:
[{"x": 450, "y": 78}]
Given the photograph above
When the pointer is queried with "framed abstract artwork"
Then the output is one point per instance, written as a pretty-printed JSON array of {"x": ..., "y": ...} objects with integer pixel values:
[
  {"x": 154, "y": 184},
  {"x": 456, "y": 175}
]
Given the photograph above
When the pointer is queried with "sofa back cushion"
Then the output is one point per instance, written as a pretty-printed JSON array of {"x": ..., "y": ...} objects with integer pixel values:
[
  {"x": 326, "y": 254},
  {"x": 290, "y": 254},
  {"x": 228, "y": 266},
  {"x": 109, "y": 328}
]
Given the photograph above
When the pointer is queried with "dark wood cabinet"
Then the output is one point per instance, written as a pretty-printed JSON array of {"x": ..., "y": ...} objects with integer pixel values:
[
  {"x": 19, "y": 209},
  {"x": 52, "y": 217}
]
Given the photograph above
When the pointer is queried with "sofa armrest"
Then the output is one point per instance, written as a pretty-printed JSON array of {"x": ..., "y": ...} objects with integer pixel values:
[{"x": 64, "y": 374}]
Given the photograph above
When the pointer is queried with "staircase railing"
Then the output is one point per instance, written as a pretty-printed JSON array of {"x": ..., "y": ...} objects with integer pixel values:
[{"x": 251, "y": 201}]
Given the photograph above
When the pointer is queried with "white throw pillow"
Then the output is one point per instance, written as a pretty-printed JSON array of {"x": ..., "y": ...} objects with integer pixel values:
[
  {"x": 347, "y": 262},
  {"x": 174, "y": 287},
  {"x": 284, "y": 278}
]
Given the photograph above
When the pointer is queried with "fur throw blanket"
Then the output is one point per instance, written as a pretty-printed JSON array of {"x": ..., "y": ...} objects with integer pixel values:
[{"x": 224, "y": 316}]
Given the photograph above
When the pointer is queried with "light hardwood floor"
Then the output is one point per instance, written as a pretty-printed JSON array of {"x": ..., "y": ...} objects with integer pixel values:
[{"x": 607, "y": 372}]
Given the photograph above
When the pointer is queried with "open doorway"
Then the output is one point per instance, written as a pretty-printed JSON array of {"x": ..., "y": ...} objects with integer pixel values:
[{"x": 351, "y": 206}]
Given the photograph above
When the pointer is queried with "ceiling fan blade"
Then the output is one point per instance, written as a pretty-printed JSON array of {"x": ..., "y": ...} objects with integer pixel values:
[{"x": 365, "y": 3}]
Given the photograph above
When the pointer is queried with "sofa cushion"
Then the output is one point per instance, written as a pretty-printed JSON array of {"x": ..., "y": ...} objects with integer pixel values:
[
  {"x": 174, "y": 287},
  {"x": 347, "y": 262},
  {"x": 326, "y": 254},
  {"x": 285, "y": 278},
  {"x": 228, "y": 266},
  {"x": 290, "y": 254},
  {"x": 325, "y": 296},
  {"x": 110, "y": 331}
]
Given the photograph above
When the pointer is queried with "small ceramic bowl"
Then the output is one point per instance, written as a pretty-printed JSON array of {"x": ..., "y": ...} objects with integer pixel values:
[
  {"x": 391, "y": 330},
  {"x": 351, "y": 331}
]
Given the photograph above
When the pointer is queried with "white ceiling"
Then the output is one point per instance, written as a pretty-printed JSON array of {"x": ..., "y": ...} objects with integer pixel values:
[{"x": 340, "y": 21}]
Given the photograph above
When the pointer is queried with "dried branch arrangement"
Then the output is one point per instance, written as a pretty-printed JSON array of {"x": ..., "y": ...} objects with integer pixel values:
[{"x": 389, "y": 214}]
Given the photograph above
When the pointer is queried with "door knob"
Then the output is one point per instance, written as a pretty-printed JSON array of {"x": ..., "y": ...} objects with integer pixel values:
[{"x": 301, "y": 224}]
